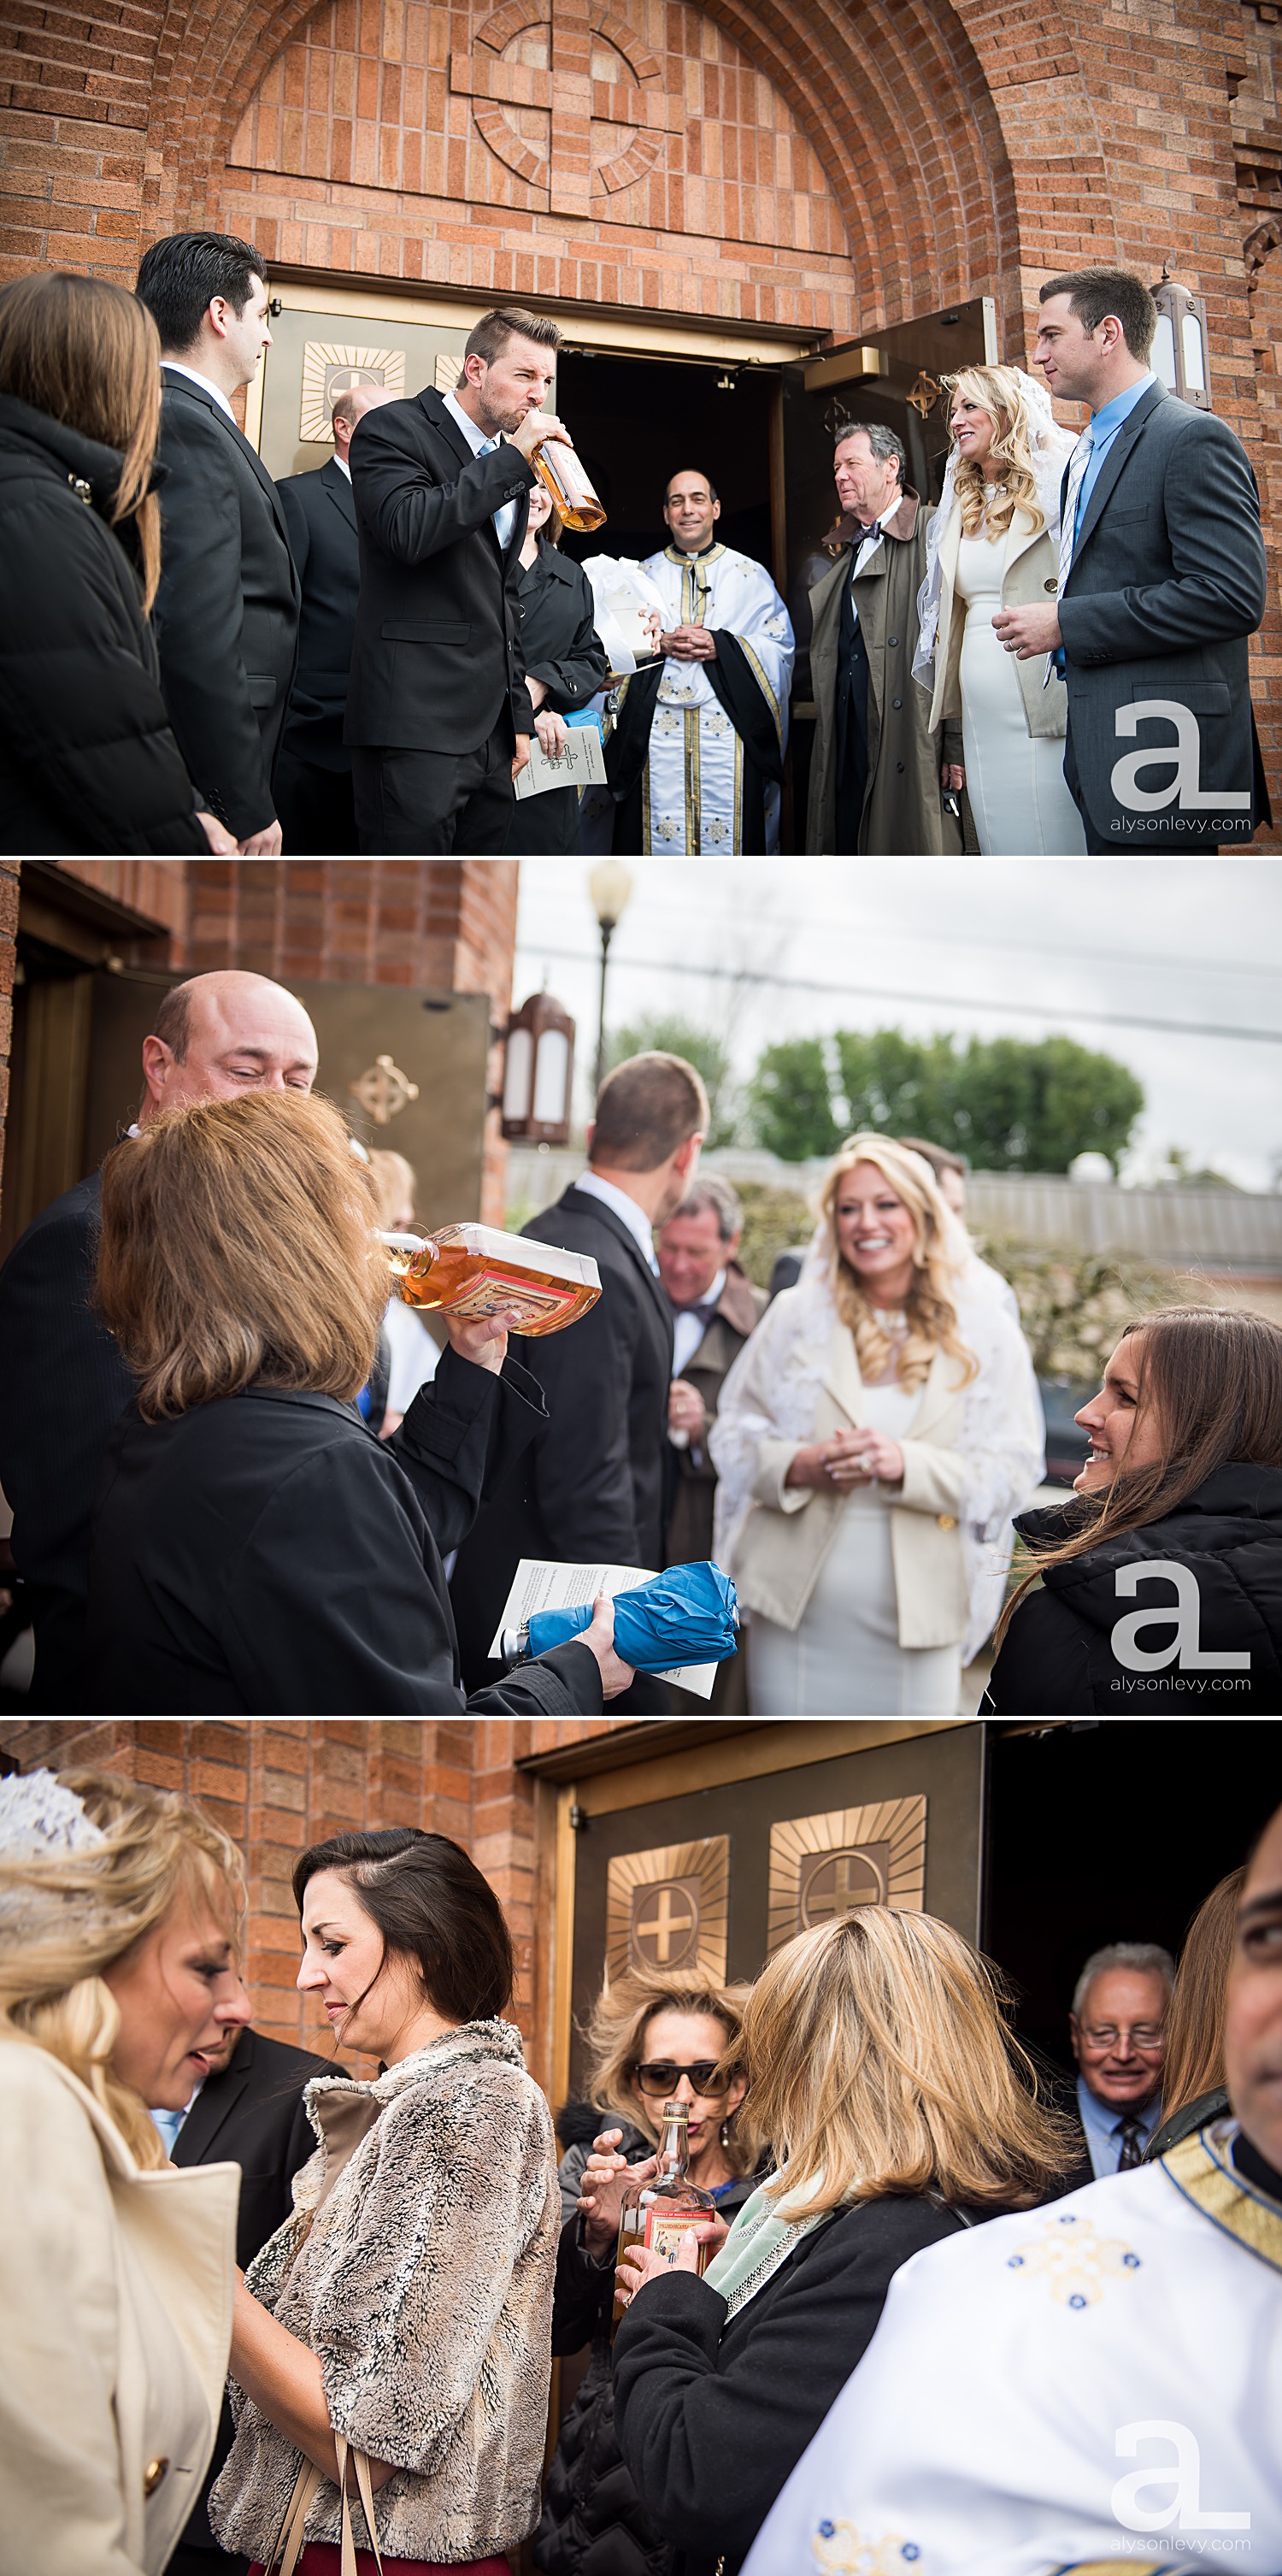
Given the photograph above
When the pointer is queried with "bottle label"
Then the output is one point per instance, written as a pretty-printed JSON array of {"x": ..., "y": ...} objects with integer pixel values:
[
  {"x": 664, "y": 2229},
  {"x": 490, "y": 1291}
]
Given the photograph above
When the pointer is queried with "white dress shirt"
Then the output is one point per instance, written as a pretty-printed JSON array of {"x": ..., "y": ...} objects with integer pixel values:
[
  {"x": 178, "y": 369},
  {"x": 635, "y": 1218},
  {"x": 342, "y": 464},
  {"x": 504, "y": 519}
]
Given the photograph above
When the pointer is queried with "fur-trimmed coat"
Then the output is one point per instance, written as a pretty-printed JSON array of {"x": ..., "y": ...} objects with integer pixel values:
[{"x": 418, "y": 2266}]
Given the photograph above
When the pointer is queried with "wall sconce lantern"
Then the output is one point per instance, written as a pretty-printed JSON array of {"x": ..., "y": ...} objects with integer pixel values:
[
  {"x": 1181, "y": 353},
  {"x": 538, "y": 1073}
]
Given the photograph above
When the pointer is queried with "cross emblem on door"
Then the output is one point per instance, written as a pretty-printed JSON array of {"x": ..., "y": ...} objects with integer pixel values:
[
  {"x": 664, "y": 1935},
  {"x": 595, "y": 72},
  {"x": 839, "y": 1884}
]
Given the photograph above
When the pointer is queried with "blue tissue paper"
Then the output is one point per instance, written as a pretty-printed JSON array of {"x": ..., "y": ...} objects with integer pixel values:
[{"x": 686, "y": 1616}]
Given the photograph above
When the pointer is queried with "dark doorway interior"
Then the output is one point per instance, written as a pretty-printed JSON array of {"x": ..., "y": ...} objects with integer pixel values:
[
  {"x": 636, "y": 421},
  {"x": 1111, "y": 1832}
]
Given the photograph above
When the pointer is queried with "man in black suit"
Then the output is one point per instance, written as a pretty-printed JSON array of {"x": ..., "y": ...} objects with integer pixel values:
[
  {"x": 1161, "y": 584},
  {"x": 438, "y": 717},
  {"x": 248, "y": 2111},
  {"x": 591, "y": 1490},
  {"x": 63, "y": 1379},
  {"x": 227, "y": 607},
  {"x": 313, "y": 777}
]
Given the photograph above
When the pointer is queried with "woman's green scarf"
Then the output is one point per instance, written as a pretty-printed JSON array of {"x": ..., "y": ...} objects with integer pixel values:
[{"x": 760, "y": 2239}]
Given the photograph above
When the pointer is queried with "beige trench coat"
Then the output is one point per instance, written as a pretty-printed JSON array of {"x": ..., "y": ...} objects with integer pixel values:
[
  {"x": 116, "y": 2294},
  {"x": 903, "y": 814},
  {"x": 1030, "y": 577},
  {"x": 780, "y": 1554}
]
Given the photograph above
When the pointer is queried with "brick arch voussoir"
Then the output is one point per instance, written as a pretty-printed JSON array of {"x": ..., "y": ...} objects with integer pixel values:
[{"x": 1035, "y": 81}]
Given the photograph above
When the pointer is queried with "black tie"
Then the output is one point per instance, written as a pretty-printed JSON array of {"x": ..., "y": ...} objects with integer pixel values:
[{"x": 1132, "y": 2145}]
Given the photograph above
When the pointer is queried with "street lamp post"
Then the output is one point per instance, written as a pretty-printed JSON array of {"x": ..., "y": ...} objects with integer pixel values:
[{"x": 609, "y": 886}]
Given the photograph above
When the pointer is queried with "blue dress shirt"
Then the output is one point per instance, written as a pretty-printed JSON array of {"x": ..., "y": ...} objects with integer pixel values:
[
  {"x": 1105, "y": 425},
  {"x": 1103, "y": 2126}
]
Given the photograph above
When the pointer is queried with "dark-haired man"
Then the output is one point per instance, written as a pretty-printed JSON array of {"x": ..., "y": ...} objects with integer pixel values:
[
  {"x": 591, "y": 1491},
  {"x": 227, "y": 608},
  {"x": 878, "y": 777},
  {"x": 314, "y": 770},
  {"x": 696, "y": 760},
  {"x": 63, "y": 1379},
  {"x": 438, "y": 719},
  {"x": 1161, "y": 583}
]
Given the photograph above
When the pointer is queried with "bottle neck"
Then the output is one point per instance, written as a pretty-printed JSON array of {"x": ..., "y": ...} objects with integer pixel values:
[{"x": 674, "y": 2148}]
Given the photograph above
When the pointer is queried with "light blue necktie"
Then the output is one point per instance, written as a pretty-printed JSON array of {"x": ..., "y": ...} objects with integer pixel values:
[
  {"x": 504, "y": 519},
  {"x": 169, "y": 2123}
]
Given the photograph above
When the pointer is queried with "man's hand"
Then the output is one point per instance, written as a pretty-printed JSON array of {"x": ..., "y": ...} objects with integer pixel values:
[
  {"x": 482, "y": 1339},
  {"x": 1028, "y": 631},
  {"x": 952, "y": 777},
  {"x": 262, "y": 845},
  {"x": 686, "y": 1410},
  {"x": 599, "y": 1640},
  {"x": 552, "y": 730},
  {"x": 689, "y": 643},
  {"x": 521, "y": 755},
  {"x": 223, "y": 843},
  {"x": 536, "y": 426}
]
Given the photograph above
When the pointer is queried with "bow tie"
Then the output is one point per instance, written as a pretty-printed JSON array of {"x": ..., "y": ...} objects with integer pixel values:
[{"x": 704, "y": 1313}]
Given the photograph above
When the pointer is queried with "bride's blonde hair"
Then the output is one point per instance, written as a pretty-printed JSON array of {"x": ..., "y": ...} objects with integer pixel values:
[
  {"x": 67, "y": 1916},
  {"x": 999, "y": 393},
  {"x": 931, "y": 1313}
]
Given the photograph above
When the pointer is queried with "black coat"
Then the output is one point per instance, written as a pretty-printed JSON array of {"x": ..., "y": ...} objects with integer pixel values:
[
  {"x": 266, "y": 1555},
  {"x": 591, "y": 1491},
  {"x": 227, "y": 610},
  {"x": 251, "y": 2114},
  {"x": 1058, "y": 1658},
  {"x": 1167, "y": 586},
  {"x": 713, "y": 2417},
  {"x": 320, "y": 515},
  {"x": 559, "y": 644},
  {"x": 436, "y": 659},
  {"x": 63, "y": 1388},
  {"x": 593, "y": 2522},
  {"x": 88, "y": 759}
]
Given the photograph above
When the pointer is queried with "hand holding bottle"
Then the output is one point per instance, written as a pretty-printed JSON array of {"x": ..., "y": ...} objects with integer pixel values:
[
  {"x": 531, "y": 432},
  {"x": 482, "y": 1339},
  {"x": 600, "y": 2190},
  {"x": 702, "y": 2239}
]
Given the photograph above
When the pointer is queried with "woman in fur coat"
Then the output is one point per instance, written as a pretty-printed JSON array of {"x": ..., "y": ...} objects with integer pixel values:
[{"x": 392, "y": 2343}]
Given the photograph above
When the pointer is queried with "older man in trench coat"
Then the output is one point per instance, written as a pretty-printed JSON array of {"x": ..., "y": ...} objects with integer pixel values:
[{"x": 879, "y": 777}]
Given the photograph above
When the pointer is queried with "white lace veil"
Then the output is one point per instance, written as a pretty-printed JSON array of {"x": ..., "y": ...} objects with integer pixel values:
[
  {"x": 1050, "y": 448},
  {"x": 46, "y": 1840}
]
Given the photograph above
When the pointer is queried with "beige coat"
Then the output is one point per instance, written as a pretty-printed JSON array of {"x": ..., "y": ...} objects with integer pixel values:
[
  {"x": 116, "y": 2294},
  {"x": 780, "y": 1554},
  {"x": 1030, "y": 577},
  {"x": 904, "y": 813}
]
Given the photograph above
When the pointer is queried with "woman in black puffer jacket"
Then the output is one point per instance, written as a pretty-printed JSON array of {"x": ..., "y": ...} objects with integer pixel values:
[
  {"x": 648, "y": 2032},
  {"x": 1161, "y": 1588},
  {"x": 87, "y": 757}
]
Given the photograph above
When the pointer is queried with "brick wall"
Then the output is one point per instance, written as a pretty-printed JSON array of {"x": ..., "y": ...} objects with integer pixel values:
[{"x": 278, "y": 1785}]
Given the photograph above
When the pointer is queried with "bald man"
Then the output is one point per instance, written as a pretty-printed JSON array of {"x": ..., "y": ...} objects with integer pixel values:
[{"x": 63, "y": 1381}]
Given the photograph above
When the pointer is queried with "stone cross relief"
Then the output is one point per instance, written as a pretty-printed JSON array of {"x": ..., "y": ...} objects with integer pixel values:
[{"x": 595, "y": 72}]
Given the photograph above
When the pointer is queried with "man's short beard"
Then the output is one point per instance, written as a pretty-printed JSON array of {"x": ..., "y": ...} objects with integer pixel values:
[{"x": 492, "y": 421}]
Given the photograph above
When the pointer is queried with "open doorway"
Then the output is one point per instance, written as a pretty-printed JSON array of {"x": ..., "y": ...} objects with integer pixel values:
[{"x": 637, "y": 421}]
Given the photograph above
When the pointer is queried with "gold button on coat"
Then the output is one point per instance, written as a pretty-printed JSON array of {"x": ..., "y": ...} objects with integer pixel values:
[
  {"x": 945, "y": 1520},
  {"x": 154, "y": 2475}
]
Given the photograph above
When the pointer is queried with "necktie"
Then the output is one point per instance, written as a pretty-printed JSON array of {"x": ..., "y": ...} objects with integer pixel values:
[
  {"x": 1131, "y": 2132},
  {"x": 169, "y": 2123},
  {"x": 504, "y": 519},
  {"x": 1077, "y": 464}
]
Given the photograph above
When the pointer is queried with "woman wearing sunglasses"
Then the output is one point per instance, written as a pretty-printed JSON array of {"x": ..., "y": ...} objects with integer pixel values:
[{"x": 654, "y": 2038}]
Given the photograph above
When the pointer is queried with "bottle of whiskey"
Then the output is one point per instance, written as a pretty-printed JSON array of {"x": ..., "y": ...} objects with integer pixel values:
[
  {"x": 569, "y": 483},
  {"x": 476, "y": 1270},
  {"x": 656, "y": 2214}
]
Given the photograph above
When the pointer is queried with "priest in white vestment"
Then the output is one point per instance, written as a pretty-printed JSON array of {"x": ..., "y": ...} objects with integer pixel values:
[
  {"x": 1089, "y": 2388},
  {"x": 696, "y": 762}
]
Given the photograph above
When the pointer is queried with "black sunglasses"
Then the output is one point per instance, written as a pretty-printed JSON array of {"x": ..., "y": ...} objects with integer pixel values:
[{"x": 663, "y": 2077}]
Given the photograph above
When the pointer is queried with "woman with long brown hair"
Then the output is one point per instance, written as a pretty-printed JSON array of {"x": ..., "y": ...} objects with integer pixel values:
[
  {"x": 873, "y": 1438},
  {"x": 1160, "y": 1589},
  {"x": 257, "y": 1550},
  {"x": 88, "y": 760}
]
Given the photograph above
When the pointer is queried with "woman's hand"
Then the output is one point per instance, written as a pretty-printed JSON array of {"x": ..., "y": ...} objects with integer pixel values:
[
  {"x": 638, "y": 2267},
  {"x": 847, "y": 1459},
  {"x": 599, "y": 1640},
  {"x": 600, "y": 2201},
  {"x": 553, "y": 732},
  {"x": 482, "y": 1339}
]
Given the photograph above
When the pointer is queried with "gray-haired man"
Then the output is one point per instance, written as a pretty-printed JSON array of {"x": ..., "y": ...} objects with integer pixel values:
[
  {"x": 1118, "y": 2031},
  {"x": 714, "y": 1309},
  {"x": 879, "y": 777}
]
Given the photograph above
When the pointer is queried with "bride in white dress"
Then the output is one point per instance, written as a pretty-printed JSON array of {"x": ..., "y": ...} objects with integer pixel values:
[{"x": 994, "y": 543}]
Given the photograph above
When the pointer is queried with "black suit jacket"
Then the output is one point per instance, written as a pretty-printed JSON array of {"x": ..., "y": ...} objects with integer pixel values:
[
  {"x": 436, "y": 660},
  {"x": 592, "y": 1488},
  {"x": 320, "y": 515},
  {"x": 251, "y": 2115},
  {"x": 1167, "y": 585},
  {"x": 265, "y": 1554},
  {"x": 227, "y": 608},
  {"x": 63, "y": 1387}
]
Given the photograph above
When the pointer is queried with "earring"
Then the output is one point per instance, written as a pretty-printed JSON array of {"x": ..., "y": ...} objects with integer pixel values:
[{"x": 725, "y": 2133}]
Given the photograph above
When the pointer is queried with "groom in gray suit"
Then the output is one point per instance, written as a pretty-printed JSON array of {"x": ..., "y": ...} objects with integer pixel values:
[{"x": 1161, "y": 582}]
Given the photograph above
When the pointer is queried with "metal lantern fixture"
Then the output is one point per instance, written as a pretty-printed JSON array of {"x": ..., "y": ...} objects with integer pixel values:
[
  {"x": 609, "y": 886},
  {"x": 538, "y": 1073},
  {"x": 1181, "y": 354}
]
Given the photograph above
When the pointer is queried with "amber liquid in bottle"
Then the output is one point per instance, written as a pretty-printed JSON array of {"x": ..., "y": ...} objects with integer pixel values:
[
  {"x": 656, "y": 2214},
  {"x": 471, "y": 1270},
  {"x": 570, "y": 485}
]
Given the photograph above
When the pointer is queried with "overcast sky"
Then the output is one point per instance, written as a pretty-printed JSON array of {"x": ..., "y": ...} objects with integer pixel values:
[{"x": 1195, "y": 941}]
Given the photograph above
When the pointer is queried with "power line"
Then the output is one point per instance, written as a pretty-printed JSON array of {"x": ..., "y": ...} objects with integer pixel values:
[{"x": 967, "y": 1007}]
